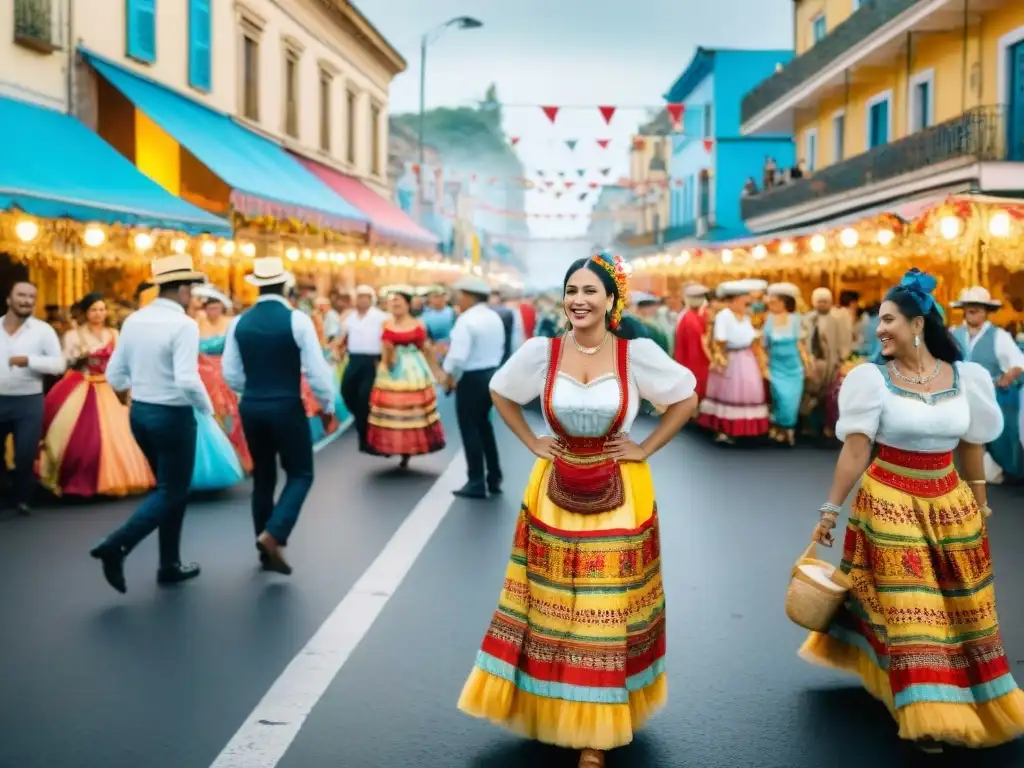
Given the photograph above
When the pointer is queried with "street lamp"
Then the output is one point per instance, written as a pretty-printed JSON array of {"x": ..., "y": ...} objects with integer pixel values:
[{"x": 459, "y": 22}]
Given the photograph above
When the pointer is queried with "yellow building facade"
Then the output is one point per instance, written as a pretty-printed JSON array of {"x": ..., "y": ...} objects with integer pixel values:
[{"x": 893, "y": 100}]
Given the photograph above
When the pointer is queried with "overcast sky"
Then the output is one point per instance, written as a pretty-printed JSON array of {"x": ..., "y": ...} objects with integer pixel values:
[{"x": 567, "y": 52}]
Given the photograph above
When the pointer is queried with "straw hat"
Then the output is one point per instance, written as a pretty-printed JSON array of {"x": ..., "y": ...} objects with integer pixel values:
[
  {"x": 208, "y": 292},
  {"x": 473, "y": 285},
  {"x": 784, "y": 289},
  {"x": 269, "y": 270},
  {"x": 175, "y": 269},
  {"x": 976, "y": 296}
]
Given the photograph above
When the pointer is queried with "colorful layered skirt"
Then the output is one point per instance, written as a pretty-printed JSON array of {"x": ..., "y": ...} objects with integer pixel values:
[
  {"x": 736, "y": 403},
  {"x": 88, "y": 448},
  {"x": 403, "y": 408},
  {"x": 225, "y": 408},
  {"x": 574, "y": 655},
  {"x": 919, "y": 627},
  {"x": 320, "y": 425}
]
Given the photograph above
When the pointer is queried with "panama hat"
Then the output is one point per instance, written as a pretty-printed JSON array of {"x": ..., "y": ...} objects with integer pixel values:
[
  {"x": 269, "y": 270},
  {"x": 473, "y": 285},
  {"x": 733, "y": 288},
  {"x": 695, "y": 291},
  {"x": 976, "y": 296},
  {"x": 784, "y": 289},
  {"x": 175, "y": 269},
  {"x": 208, "y": 292}
]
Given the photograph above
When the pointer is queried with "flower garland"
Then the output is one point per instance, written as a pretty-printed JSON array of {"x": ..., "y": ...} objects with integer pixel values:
[{"x": 616, "y": 268}]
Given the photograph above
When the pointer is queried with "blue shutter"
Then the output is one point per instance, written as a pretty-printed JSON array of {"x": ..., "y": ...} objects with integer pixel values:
[
  {"x": 140, "y": 20},
  {"x": 199, "y": 45}
]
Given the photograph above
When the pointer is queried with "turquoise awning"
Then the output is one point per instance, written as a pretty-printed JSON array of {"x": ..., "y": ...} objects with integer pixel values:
[
  {"x": 264, "y": 178},
  {"x": 54, "y": 167}
]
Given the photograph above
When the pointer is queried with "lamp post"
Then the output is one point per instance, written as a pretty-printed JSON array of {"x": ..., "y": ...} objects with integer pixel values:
[{"x": 459, "y": 22}]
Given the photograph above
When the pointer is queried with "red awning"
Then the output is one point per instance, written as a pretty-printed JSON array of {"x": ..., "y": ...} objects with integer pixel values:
[{"x": 387, "y": 222}]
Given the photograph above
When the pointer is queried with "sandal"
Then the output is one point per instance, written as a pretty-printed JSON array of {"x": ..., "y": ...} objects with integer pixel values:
[{"x": 591, "y": 758}]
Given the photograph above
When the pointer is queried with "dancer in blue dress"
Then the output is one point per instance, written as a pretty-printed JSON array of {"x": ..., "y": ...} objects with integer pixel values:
[
  {"x": 439, "y": 318},
  {"x": 782, "y": 340}
]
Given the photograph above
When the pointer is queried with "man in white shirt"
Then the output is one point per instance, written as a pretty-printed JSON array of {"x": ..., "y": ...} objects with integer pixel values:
[
  {"x": 266, "y": 351},
  {"x": 362, "y": 331},
  {"x": 478, "y": 345},
  {"x": 29, "y": 350},
  {"x": 157, "y": 359}
]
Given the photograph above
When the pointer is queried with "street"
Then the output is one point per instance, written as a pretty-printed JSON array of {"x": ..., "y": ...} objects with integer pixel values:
[{"x": 164, "y": 678}]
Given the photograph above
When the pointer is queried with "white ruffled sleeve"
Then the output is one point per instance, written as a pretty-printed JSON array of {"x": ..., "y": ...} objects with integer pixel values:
[
  {"x": 659, "y": 378},
  {"x": 861, "y": 398},
  {"x": 986, "y": 415},
  {"x": 521, "y": 379}
]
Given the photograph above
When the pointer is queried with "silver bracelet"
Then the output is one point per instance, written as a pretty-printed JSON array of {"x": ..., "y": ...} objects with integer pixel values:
[{"x": 830, "y": 509}]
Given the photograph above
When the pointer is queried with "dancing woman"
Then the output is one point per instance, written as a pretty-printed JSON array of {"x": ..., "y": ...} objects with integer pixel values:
[
  {"x": 919, "y": 626},
  {"x": 787, "y": 361},
  {"x": 575, "y": 652},
  {"x": 403, "y": 403},
  {"x": 88, "y": 448}
]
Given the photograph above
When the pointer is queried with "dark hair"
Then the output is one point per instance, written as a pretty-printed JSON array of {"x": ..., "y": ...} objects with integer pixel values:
[
  {"x": 18, "y": 282},
  {"x": 787, "y": 301},
  {"x": 937, "y": 338},
  {"x": 846, "y": 298},
  {"x": 277, "y": 289},
  {"x": 629, "y": 328},
  {"x": 142, "y": 288},
  {"x": 174, "y": 285},
  {"x": 86, "y": 302},
  {"x": 404, "y": 294}
]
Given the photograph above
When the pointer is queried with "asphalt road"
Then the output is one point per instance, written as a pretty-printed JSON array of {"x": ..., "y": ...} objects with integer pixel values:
[{"x": 163, "y": 678}]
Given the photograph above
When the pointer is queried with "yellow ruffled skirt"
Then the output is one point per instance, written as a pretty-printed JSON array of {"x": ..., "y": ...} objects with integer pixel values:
[
  {"x": 574, "y": 655},
  {"x": 920, "y": 627}
]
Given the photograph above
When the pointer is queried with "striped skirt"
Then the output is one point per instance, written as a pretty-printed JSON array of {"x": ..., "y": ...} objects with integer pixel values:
[
  {"x": 403, "y": 408},
  {"x": 919, "y": 627},
  {"x": 574, "y": 655}
]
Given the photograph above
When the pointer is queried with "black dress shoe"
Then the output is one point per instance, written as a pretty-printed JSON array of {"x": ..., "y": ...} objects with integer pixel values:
[
  {"x": 175, "y": 574},
  {"x": 112, "y": 559},
  {"x": 494, "y": 487},
  {"x": 471, "y": 491}
]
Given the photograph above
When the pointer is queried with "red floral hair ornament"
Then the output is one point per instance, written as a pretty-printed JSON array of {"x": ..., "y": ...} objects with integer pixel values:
[{"x": 616, "y": 269}]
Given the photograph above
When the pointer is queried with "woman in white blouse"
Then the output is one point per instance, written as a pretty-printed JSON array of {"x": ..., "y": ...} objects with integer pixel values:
[
  {"x": 919, "y": 626},
  {"x": 575, "y": 652}
]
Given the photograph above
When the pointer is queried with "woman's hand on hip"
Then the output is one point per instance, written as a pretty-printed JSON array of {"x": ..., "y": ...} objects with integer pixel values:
[
  {"x": 621, "y": 448},
  {"x": 544, "y": 447}
]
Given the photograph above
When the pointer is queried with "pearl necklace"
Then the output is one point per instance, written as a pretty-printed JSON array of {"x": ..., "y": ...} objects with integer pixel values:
[
  {"x": 914, "y": 379},
  {"x": 589, "y": 350}
]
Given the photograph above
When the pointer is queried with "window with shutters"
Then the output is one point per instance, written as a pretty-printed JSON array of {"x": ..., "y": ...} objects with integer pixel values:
[
  {"x": 250, "y": 77},
  {"x": 199, "y": 38},
  {"x": 291, "y": 94},
  {"x": 350, "y": 126},
  {"x": 326, "y": 82},
  {"x": 34, "y": 25},
  {"x": 140, "y": 19},
  {"x": 375, "y": 130}
]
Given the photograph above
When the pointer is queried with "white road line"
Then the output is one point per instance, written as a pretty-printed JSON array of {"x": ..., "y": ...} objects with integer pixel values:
[
  {"x": 325, "y": 441},
  {"x": 272, "y": 726}
]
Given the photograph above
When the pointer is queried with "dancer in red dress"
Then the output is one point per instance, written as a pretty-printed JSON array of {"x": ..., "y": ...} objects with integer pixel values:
[{"x": 689, "y": 347}]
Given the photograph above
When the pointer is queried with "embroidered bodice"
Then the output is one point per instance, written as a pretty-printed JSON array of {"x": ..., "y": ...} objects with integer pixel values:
[
  {"x": 96, "y": 353},
  {"x": 589, "y": 410},
  {"x": 871, "y": 404},
  {"x": 414, "y": 337},
  {"x": 213, "y": 345}
]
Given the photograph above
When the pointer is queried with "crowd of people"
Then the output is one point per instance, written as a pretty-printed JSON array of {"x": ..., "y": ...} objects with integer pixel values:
[{"x": 186, "y": 394}]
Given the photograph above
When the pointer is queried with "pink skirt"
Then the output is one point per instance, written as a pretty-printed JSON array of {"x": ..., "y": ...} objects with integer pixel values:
[{"x": 735, "y": 404}]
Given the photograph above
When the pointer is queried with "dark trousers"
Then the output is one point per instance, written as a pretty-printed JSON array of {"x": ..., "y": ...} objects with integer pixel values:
[
  {"x": 473, "y": 410},
  {"x": 167, "y": 436},
  {"x": 277, "y": 428},
  {"x": 21, "y": 416},
  {"x": 356, "y": 385}
]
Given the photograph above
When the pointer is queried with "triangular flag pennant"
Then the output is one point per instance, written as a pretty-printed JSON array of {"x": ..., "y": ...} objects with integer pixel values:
[
  {"x": 558, "y": 194},
  {"x": 569, "y": 184},
  {"x": 675, "y": 111},
  {"x": 493, "y": 180},
  {"x": 582, "y": 172},
  {"x": 709, "y": 144},
  {"x": 540, "y": 173},
  {"x": 593, "y": 185},
  {"x": 605, "y": 171},
  {"x": 561, "y": 174},
  {"x": 603, "y": 143},
  {"x": 583, "y": 196},
  {"x": 550, "y": 183},
  {"x": 550, "y": 112},
  {"x": 571, "y": 144},
  {"x": 607, "y": 113},
  {"x": 514, "y": 140}
]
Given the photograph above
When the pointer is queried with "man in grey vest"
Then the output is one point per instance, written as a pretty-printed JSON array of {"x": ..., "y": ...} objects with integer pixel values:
[{"x": 266, "y": 353}]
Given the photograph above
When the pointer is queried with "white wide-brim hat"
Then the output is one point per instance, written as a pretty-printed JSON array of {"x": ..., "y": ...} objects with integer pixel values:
[
  {"x": 473, "y": 285},
  {"x": 695, "y": 291},
  {"x": 269, "y": 270},
  {"x": 210, "y": 293},
  {"x": 784, "y": 289},
  {"x": 734, "y": 288},
  {"x": 638, "y": 298},
  {"x": 976, "y": 296}
]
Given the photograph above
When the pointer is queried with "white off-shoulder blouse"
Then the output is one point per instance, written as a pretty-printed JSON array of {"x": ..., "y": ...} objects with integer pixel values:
[
  {"x": 871, "y": 404},
  {"x": 588, "y": 410}
]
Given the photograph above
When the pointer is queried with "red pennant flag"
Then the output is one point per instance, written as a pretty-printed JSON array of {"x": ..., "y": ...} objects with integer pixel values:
[
  {"x": 603, "y": 143},
  {"x": 550, "y": 183},
  {"x": 607, "y": 113},
  {"x": 709, "y": 144},
  {"x": 569, "y": 184},
  {"x": 514, "y": 140},
  {"x": 551, "y": 113},
  {"x": 593, "y": 185},
  {"x": 675, "y": 111}
]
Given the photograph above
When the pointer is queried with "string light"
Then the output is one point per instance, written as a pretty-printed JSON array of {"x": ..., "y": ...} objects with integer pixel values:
[
  {"x": 26, "y": 230},
  {"x": 759, "y": 252},
  {"x": 180, "y": 245},
  {"x": 786, "y": 247},
  {"x": 949, "y": 227},
  {"x": 727, "y": 256},
  {"x": 248, "y": 250},
  {"x": 999, "y": 224},
  {"x": 208, "y": 249},
  {"x": 94, "y": 237},
  {"x": 886, "y": 236},
  {"x": 849, "y": 237},
  {"x": 818, "y": 243},
  {"x": 292, "y": 254},
  {"x": 227, "y": 248},
  {"x": 143, "y": 242}
]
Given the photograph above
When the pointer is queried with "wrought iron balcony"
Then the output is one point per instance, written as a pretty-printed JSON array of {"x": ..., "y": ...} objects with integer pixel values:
[
  {"x": 980, "y": 134},
  {"x": 33, "y": 25},
  {"x": 860, "y": 25}
]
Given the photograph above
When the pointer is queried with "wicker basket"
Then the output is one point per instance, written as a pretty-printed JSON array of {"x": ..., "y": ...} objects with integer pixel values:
[{"x": 812, "y": 602}]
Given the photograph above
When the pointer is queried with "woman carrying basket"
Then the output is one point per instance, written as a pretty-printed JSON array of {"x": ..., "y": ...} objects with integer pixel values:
[{"x": 919, "y": 624}]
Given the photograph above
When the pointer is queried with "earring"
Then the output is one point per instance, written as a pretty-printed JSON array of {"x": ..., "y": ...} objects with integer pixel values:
[{"x": 917, "y": 340}]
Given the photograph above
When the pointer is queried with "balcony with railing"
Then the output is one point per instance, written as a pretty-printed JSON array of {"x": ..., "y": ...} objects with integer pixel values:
[
  {"x": 981, "y": 134},
  {"x": 34, "y": 25},
  {"x": 858, "y": 27}
]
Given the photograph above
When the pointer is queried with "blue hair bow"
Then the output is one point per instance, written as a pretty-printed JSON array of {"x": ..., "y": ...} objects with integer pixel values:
[{"x": 920, "y": 285}]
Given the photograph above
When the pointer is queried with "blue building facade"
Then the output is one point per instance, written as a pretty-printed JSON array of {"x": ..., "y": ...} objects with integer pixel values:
[{"x": 711, "y": 159}]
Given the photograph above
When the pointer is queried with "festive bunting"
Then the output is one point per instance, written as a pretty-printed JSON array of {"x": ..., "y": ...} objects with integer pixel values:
[
  {"x": 675, "y": 111},
  {"x": 581, "y": 172},
  {"x": 549, "y": 183},
  {"x": 605, "y": 171},
  {"x": 593, "y": 185},
  {"x": 569, "y": 184},
  {"x": 603, "y": 143},
  {"x": 607, "y": 113},
  {"x": 558, "y": 195},
  {"x": 551, "y": 113},
  {"x": 571, "y": 144},
  {"x": 541, "y": 174},
  {"x": 514, "y": 140},
  {"x": 561, "y": 174},
  {"x": 583, "y": 196},
  {"x": 709, "y": 144}
]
